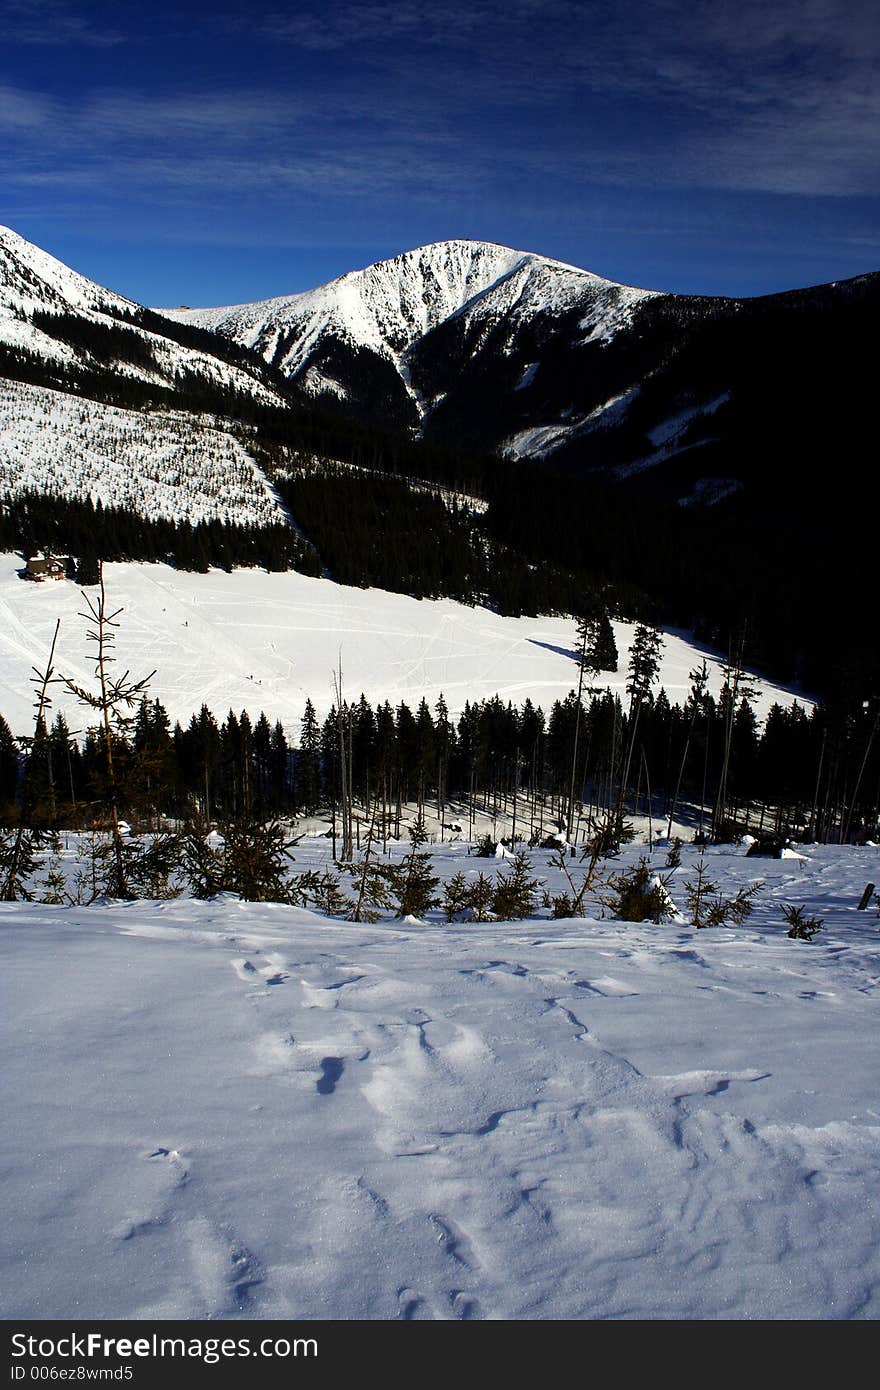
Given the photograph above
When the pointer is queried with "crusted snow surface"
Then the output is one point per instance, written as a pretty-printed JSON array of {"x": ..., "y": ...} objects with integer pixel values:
[
  {"x": 252, "y": 640},
  {"x": 538, "y": 440},
  {"x": 528, "y": 376},
  {"x": 166, "y": 464},
  {"x": 675, "y": 425},
  {"x": 708, "y": 492},
  {"x": 612, "y": 411},
  {"x": 617, "y": 313},
  {"x": 238, "y": 1110}
]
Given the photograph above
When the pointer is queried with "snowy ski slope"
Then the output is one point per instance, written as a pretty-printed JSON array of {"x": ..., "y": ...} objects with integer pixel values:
[{"x": 252, "y": 640}]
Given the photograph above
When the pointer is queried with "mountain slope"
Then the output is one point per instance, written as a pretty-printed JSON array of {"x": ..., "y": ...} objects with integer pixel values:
[
  {"x": 87, "y": 406},
  {"x": 270, "y": 641},
  {"x": 570, "y": 414},
  {"x": 484, "y": 348},
  {"x": 357, "y": 339},
  {"x": 78, "y": 332}
]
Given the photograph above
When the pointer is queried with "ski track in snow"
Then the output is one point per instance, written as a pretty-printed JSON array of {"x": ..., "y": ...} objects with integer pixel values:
[{"x": 243, "y": 1110}]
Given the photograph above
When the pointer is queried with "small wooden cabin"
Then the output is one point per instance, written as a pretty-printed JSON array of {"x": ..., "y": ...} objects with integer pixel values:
[{"x": 43, "y": 567}]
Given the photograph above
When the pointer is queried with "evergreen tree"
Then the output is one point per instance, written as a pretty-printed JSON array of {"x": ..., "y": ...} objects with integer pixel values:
[
  {"x": 308, "y": 762},
  {"x": 514, "y": 895},
  {"x": 605, "y": 652},
  {"x": 644, "y": 666},
  {"x": 112, "y": 701},
  {"x": 9, "y": 765},
  {"x": 412, "y": 881},
  {"x": 279, "y": 769}
]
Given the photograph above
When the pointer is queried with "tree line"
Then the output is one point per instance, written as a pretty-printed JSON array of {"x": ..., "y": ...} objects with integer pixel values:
[{"x": 707, "y": 762}]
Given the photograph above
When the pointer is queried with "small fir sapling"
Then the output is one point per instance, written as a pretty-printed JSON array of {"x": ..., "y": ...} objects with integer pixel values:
[
  {"x": 456, "y": 896},
  {"x": 708, "y": 908},
  {"x": 480, "y": 896},
  {"x": 247, "y": 856},
  {"x": 640, "y": 895},
  {"x": 673, "y": 854},
  {"x": 801, "y": 927},
  {"x": 412, "y": 882},
  {"x": 370, "y": 880},
  {"x": 604, "y": 843},
  {"x": 113, "y": 701},
  {"x": 22, "y": 851},
  {"x": 323, "y": 892},
  {"x": 514, "y": 894}
]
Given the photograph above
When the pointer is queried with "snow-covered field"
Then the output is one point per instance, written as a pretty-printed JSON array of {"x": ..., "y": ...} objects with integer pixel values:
[
  {"x": 251, "y": 640},
  {"x": 226, "y": 1109}
]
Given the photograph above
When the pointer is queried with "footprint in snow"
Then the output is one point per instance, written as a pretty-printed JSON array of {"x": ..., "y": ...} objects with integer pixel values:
[
  {"x": 331, "y": 1071},
  {"x": 465, "y": 1307},
  {"x": 412, "y": 1307}
]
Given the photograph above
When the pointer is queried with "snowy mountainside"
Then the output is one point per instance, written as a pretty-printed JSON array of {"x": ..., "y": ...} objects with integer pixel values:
[
  {"x": 30, "y": 278},
  {"x": 102, "y": 401},
  {"x": 171, "y": 464},
  {"x": 481, "y": 347},
  {"x": 386, "y": 306},
  {"x": 364, "y": 330},
  {"x": 51, "y": 314}
]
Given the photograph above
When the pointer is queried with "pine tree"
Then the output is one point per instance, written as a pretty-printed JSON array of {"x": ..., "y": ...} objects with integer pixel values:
[
  {"x": 112, "y": 701},
  {"x": 480, "y": 896},
  {"x": 514, "y": 895},
  {"x": 245, "y": 855},
  {"x": 308, "y": 763},
  {"x": 456, "y": 897},
  {"x": 737, "y": 687},
  {"x": 444, "y": 739},
  {"x": 9, "y": 765},
  {"x": 644, "y": 666},
  {"x": 640, "y": 895},
  {"x": 20, "y": 852},
  {"x": 699, "y": 677},
  {"x": 412, "y": 881},
  {"x": 370, "y": 880},
  {"x": 605, "y": 652}
]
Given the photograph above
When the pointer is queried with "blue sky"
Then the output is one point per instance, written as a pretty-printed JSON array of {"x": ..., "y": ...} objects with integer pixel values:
[{"x": 218, "y": 153}]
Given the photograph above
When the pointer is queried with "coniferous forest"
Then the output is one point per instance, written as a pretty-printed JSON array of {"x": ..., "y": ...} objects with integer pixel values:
[{"x": 706, "y": 764}]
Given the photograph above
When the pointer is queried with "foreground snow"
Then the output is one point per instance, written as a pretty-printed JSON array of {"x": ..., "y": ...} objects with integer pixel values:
[
  {"x": 227, "y": 1109},
  {"x": 251, "y": 640}
]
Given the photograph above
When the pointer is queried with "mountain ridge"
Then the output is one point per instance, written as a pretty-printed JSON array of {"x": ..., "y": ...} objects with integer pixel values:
[
  {"x": 530, "y": 357},
  {"x": 322, "y": 338},
  {"x": 510, "y": 431}
]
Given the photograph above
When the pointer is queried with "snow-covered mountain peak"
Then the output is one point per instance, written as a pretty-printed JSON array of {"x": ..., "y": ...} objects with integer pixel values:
[
  {"x": 32, "y": 279},
  {"x": 387, "y": 309}
]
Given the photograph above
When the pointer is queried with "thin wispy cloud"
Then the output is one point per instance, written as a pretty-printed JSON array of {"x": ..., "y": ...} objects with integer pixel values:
[
  {"x": 512, "y": 119},
  {"x": 781, "y": 97},
  {"x": 55, "y": 23}
]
